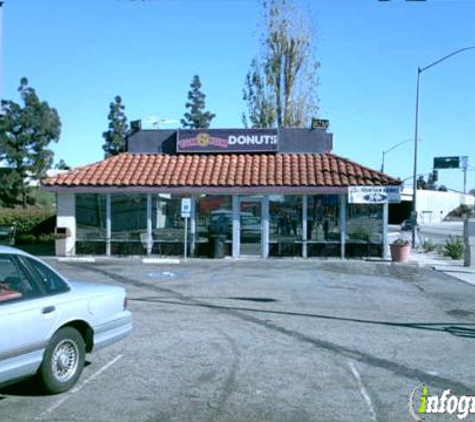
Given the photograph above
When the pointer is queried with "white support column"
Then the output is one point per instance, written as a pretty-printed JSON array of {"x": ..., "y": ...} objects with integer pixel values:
[
  {"x": 265, "y": 227},
  {"x": 149, "y": 236},
  {"x": 342, "y": 225},
  {"x": 236, "y": 226},
  {"x": 385, "y": 231},
  {"x": 304, "y": 226},
  {"x": 193, "y": 227},
  {"x": 108, "y": 224},
  {"x": 66, "y": 218}
]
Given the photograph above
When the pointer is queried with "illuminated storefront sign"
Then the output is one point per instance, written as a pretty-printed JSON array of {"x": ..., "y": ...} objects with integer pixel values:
[{"x": 223, "y": 140}]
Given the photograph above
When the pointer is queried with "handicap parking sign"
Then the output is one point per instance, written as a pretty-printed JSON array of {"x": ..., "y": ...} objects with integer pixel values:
[{"x": 185, "y": 207}]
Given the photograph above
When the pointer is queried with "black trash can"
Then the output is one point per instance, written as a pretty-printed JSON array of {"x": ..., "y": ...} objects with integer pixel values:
[{"x": 218, "y": 245}]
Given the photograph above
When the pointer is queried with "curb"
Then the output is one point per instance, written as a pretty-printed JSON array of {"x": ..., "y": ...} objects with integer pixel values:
[{"x": 160, "y": 261}]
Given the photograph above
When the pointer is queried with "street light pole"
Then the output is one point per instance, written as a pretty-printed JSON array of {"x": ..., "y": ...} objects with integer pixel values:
[
  {"x": 414, "y": 178},
  {"x": 416, "y": 128},
  {"x": 390, "y": 149}
]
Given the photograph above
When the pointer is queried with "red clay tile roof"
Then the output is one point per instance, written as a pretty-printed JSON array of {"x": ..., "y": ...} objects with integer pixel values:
[{"x": 225, "y": 170}]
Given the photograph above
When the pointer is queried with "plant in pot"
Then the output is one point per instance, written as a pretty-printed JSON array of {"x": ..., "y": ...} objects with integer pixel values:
[{"x": 400, "y": 250}]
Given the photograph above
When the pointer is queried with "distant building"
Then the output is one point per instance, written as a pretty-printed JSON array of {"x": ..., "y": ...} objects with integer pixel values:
[{"x": 432, "y": 206}]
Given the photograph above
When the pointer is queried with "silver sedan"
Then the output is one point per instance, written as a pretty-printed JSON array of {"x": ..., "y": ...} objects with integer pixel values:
[{"x": 48, "y": 324}]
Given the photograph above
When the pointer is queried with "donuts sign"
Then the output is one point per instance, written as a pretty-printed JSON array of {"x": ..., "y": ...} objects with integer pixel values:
[{"x": 222, "y": 140}]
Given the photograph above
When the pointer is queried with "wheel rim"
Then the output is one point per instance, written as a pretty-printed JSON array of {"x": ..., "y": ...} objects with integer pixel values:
[{"x": 65, "y": 360}]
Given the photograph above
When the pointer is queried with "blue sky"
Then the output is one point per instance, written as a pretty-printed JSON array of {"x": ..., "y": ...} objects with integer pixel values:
[{"x": 79, "y": 54}]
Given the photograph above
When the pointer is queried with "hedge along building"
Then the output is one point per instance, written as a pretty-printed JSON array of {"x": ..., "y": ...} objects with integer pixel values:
[{"x": 266, "y": 192}]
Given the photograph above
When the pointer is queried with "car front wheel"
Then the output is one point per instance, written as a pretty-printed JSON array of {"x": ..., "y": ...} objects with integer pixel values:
[{"x": 63, "y": 361}]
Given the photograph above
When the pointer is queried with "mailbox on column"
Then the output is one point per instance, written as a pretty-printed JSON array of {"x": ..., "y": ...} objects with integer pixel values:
[
  {"x": 61, "y": 235},
  {"x": 469, "y": 240}
]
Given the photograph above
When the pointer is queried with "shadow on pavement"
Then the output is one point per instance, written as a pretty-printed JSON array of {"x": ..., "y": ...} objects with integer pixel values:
[
  {"x": 29, "y": 387},
  {"x": 459, "y": 329}
]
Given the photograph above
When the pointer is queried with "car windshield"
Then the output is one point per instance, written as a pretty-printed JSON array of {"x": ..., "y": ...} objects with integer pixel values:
[{"x": 250, "y": 221}]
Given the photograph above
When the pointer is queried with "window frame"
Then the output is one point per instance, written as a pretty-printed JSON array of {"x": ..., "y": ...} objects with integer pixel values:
[{"x": 36, "y": 276}]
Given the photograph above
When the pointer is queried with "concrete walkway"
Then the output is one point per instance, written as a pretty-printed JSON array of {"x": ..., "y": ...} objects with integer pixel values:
[{"x": 454, "y": 268}]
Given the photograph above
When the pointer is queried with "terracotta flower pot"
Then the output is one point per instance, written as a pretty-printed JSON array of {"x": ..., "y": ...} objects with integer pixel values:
[{"x": 400, "y": 253}]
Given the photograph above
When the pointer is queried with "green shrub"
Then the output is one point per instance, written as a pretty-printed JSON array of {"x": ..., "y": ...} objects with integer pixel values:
[
  {"x": 47, "y": 238},
  {"x": 454, "y": 247},
  {"x": 361, "y": 234},
  {"x": 401, "y": 241},
  {"x": 32, "y": 226},
  {"x": 25, "y": 239},
  {"x": 460, "y": 211},
  {"x": 26, "y": 220},
  {"x": 429, "y": 246}
]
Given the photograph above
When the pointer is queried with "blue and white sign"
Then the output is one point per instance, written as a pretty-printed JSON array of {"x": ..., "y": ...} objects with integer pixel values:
[
  {"x": 185, "y": 207},
  {"x": 374, "y": 194}
]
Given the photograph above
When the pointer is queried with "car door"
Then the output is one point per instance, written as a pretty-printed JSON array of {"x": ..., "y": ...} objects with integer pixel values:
[{"x": 26, "y": 320}]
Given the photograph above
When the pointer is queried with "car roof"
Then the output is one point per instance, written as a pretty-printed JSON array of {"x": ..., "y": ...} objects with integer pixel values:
[{"x": 10, "y": 250}]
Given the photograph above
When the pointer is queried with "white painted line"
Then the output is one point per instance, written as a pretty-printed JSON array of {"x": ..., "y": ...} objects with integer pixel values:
[
  {"x": 81, "y": 259},
  {"x": 160, "y": 261},
  {"x": 363, "y": 391},
  {"x": 76, "y": 389}
]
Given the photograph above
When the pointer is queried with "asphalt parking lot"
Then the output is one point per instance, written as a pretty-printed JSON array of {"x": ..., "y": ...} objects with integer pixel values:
[{"x": 275, "y": 340}]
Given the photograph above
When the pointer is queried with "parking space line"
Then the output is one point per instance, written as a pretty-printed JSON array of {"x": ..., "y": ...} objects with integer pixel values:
[
  {"x": 363, "y": 391},
  {"x": 75, "y": 390}
]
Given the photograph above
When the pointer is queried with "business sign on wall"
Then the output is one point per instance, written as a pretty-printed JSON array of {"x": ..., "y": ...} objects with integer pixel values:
[
  {"x": 374, "y": 194},
  {"x": 227, "y": 140}
]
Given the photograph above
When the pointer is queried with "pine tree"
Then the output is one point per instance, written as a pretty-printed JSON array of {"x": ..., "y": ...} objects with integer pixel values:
[
  {"x": 115, "y": 137},
  {"x": 61, "y": 165},
  {"x": 196, "y": 117},
  {"x": 25, "y": 134}
]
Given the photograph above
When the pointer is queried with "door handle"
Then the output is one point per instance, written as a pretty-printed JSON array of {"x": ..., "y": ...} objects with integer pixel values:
[{"x": 48, "y": 310}]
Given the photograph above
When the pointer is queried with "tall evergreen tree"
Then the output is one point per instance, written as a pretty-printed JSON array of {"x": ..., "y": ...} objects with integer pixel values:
[
  {"x": 196, "y": 117},
  {"x": 281, "y": 84},
  {"x": 25, "y": 134},
  {"x": 61, "y": 165},
  {"x": 115, "y": 136}
]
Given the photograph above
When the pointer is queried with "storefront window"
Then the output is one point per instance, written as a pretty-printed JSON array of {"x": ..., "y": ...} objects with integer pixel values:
[
  {"x": 323, "y": 225},
  {"x": 214, "y": 216},
  {"x": 167, "y": 225},
  {"x": 364, "y": 230},
  {"x": 90, "y": 223},
  {"x": 285, "y": 225},
  {"x": 128, "y": 224}
]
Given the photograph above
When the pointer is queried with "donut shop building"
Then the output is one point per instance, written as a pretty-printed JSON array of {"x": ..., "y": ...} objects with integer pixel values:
[{"x": 263, "y": 192}]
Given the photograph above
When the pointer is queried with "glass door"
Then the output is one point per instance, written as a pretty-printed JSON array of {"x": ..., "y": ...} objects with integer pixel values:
[{"x": 250, "y": 209}]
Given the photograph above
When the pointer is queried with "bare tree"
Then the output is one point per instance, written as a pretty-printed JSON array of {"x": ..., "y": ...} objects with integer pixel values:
[{"x": 281, "y": 84}]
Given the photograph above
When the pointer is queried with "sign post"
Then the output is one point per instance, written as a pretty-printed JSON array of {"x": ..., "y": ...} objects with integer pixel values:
[{"x": 186, "y": 214}]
